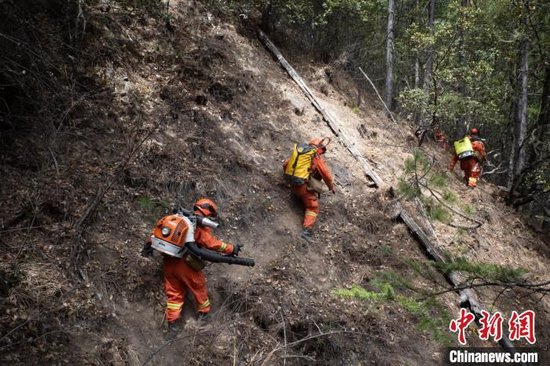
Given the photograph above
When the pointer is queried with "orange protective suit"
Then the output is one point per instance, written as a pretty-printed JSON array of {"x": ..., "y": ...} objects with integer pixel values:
[
  {"x": 472, "y": 164},
  {"x": 440, "y": 138},
  {"x": 179, "y": 276},
  {"x": 319, "y": 170}
]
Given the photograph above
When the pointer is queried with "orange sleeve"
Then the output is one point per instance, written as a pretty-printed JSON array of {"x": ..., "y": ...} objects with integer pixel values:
[
  {"x": 480, "y": 148},
  {"x": 320, "y": 166},
  {"x": 205, "y": 238}
]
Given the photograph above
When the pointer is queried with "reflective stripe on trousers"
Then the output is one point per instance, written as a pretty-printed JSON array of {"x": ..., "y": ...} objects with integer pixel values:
[
  {"x": 179, "y": 277},
  {"x": 311, "y": 203}
]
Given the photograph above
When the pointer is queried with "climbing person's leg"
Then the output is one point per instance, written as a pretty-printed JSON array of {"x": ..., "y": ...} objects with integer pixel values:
[{"x": 311, "y": 204}]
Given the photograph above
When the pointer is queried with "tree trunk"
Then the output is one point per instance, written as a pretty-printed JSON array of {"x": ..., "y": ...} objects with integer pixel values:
[
  {"x": 268, "y": 19},
  {"x": 429, "y": 61},
  {"x": 416, "y": 86},
  {"x": 417, "y": 72},
  {"x": 518, "y": 156},
  {"x": 540, "y": 145},
  {"x": 414, "y": 4},
  {"x": 426, "y": 83},
  {"x": 543, "y": 122},
  {"x": 389, "y": 55},
  {"x": 460, "y": 122}
]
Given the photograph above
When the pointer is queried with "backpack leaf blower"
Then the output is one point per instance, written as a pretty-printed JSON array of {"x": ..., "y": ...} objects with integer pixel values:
[{"x": 173, "y": 235}]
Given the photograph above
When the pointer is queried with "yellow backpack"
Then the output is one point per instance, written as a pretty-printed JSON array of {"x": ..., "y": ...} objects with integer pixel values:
[
  {"x": 463, "y": 147},
  {"x": 297, "y": 171}
]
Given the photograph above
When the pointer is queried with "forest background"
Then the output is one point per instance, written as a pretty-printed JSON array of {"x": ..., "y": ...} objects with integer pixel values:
[{"x": 449, "y": 66}]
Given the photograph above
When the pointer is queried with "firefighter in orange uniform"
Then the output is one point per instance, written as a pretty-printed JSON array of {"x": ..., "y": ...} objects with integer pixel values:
[
  {"x": 305, "y": 164},
  {"x": 471, "y": 164},
  {"x": 440, "y": 137},
  {"x": 185, "y": 273}
]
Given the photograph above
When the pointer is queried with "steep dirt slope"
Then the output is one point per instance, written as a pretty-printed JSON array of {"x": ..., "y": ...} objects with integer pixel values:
[{"x": 170, "y": 116}]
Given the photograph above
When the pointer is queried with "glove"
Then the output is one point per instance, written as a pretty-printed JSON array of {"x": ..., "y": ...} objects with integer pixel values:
[
  {"x": 236, "y": 249},
  {"x": 147, "y": 250}
]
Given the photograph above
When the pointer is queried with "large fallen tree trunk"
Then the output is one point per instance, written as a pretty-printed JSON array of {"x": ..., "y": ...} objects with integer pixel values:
[{"x": 331, "y": 121}]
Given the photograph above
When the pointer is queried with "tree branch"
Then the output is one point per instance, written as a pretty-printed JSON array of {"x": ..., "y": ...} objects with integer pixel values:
[
  {"x": 535, "y": 287},
  {"x": 479, "y": 223}
]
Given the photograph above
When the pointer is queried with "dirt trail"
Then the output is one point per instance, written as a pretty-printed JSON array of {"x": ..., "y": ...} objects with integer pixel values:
[{"x": 223, "y": 118}]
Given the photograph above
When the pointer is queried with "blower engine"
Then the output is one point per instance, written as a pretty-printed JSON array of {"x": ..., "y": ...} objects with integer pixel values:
[{"x": 174, "y": 235}]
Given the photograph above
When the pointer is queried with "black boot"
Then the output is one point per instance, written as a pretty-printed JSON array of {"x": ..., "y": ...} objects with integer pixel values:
[
  {"x": 204, "y": 317},
  {"x": 174, "y": 329},
  {"x": 307, "y": 234}
]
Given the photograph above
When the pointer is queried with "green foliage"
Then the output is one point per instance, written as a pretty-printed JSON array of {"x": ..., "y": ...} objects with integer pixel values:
[
  {"x": 386, "y": 249},
  {"x": 469, "y": 209},
  {"x": 431, "y": 316},
  {"x": 417, "y": 163},
  {"x": 439, "y": 213},
  {"x": 392, "y": 278},
  {"x": 540, "y": 177},
  {"x": 474, "y": 51},
  {"x": 418, "y": 172},
  {"x": 419, "y": 37},
  {"x": 436, "y": 211},
  {"x": 410, "y": 165},
  {"x": 420, "y": 267},
  {"x": 449, "y": 196},
  {"x": 298, "y": 11},
  {"x": 357, "y": 292},
  {"x": 473, "y": 46},
  {"x": 438, "y": 180},
  {"x": 483, "y": 271},
  {"x": 413, "y": 100},
  {"x": 153, "y": 209},
  {"x": 408, "y": 190},
  {"x": 364, "y": 10}
]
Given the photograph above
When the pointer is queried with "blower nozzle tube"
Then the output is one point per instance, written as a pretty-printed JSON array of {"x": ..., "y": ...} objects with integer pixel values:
[
  {"x": 202, "y": 221},
  {"x": 214, "y": 257}
]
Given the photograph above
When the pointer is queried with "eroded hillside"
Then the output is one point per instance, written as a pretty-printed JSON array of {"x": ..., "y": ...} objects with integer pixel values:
[{"x": 164, "y": 115}]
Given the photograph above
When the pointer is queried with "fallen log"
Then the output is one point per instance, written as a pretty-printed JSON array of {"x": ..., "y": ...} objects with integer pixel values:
[
  {"x": 298, "y": 80},
  {"x": 331, "y": 121},
  {"x": 427, "y": 223}
]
